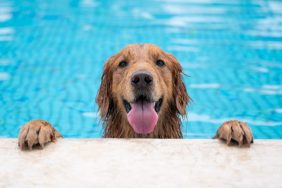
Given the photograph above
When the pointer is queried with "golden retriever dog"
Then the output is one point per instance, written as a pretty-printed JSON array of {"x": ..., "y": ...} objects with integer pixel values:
[{"x": 142, "y": 95}]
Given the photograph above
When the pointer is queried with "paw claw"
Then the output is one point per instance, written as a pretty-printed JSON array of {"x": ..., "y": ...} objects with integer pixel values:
[
  {"x": 235, "y": 130},
  {"x": 36, "y": 132}
]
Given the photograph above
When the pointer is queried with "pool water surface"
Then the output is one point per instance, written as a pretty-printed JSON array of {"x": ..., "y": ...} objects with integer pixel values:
[{"x": 52, "y": 54}]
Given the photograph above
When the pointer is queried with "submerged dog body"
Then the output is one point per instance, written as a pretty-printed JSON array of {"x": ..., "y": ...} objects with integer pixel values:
[{"x": 142, "y": 94}]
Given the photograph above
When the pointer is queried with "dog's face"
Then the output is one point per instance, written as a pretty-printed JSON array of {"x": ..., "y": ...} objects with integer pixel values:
[{"x": 143, "y": 83}]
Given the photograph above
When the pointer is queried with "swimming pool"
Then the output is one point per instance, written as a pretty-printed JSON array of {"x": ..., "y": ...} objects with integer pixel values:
[{"x": 52, "y": 54}]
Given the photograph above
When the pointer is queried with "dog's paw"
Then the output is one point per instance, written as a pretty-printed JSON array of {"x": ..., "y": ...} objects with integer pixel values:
[
  {"x": 37, "y": 132},
  {"x": 235, "y": 131}
]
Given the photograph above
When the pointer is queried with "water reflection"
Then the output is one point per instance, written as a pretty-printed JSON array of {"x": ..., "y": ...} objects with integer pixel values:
[
  {"x": 193, "y": 117},
  {"x": 4, "y": 76},
  {"x": 89, "y": 3},
  {"x": 266, "y": 90},
  {"x": 5, "y": 11},
  {"x": 6, "y": 34}
]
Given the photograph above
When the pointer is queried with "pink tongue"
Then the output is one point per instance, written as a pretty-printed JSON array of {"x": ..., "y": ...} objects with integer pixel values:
[{"x": 142, "y": 117}]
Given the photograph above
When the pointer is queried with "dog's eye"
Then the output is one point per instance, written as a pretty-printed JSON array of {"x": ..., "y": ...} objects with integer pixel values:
[
  {"x": 160, "y": 63},
  {"x": 123, "y": 64}
]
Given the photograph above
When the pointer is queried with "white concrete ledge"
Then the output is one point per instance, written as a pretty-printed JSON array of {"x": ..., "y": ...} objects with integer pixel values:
[{"x": 141, "y": 163}]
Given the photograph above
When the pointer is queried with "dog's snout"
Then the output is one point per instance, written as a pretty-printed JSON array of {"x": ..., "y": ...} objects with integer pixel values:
[{"x": 141, "y": 79}]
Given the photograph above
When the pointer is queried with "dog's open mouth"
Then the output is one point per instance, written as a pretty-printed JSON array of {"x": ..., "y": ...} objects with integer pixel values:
[{"x": 142, "y": 114}]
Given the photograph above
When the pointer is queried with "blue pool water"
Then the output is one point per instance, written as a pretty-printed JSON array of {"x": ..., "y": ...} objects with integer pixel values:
[{"x": 52, "y": 53}]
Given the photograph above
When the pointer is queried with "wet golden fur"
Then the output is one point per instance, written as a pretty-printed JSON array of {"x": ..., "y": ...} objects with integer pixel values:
[
  {"x": 168, "y": 84},
  {"x": 116, "y": 87}
]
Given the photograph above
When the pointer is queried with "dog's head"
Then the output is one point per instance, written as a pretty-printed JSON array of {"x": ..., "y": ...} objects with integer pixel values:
[{"x": 142, "y": 83}]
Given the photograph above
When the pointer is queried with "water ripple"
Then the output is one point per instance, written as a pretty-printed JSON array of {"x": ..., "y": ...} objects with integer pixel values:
[
  {"x": 4, "y": 76},
  {"x": 193, "y": 117}
]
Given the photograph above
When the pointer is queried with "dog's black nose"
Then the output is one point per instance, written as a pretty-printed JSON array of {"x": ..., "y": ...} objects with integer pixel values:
[{"x": 141, "y": 79}]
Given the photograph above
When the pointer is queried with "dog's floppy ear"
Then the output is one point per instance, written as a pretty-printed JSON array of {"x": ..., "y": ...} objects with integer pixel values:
[
  {"x": 182, "y": 97},
  {"x": 180, "y": 93},
  {"x": 104, "y": 96}
]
